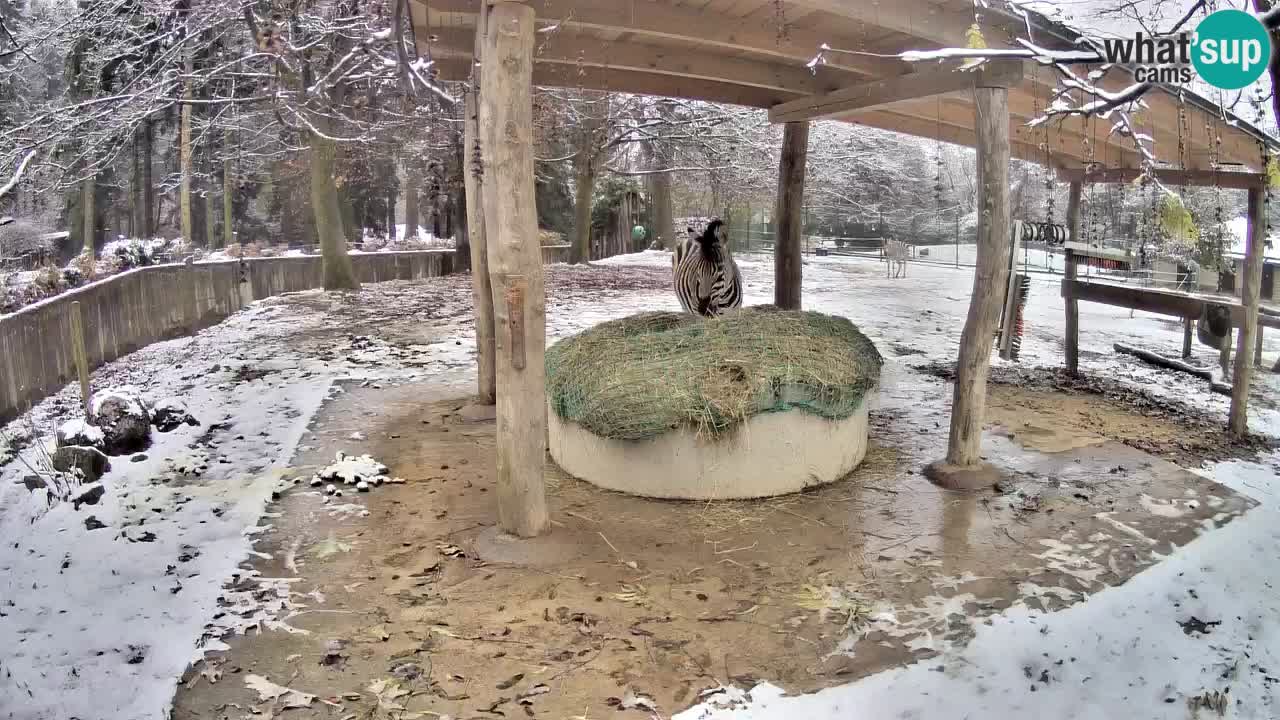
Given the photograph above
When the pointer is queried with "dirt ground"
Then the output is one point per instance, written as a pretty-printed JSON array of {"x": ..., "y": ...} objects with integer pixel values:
[
  {"x": 1047, "y": 410},
  {"x": 633, "y": 607}
]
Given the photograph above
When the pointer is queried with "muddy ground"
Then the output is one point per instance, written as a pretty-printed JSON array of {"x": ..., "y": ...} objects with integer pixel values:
[
  {"x": 1049, "y": 410},
  {"x": 634, "y": 607}
]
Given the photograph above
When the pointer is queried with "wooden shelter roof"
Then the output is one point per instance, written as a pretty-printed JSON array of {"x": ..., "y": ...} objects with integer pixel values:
[{"x": 754, "y": 53}]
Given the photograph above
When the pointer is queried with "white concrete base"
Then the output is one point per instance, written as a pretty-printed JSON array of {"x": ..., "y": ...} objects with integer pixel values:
[{"x": 769, "y": 454}]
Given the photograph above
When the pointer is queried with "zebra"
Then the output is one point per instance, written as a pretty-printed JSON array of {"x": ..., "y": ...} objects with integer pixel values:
[
  {"x": 895, "y": 251},
  {"x": 707, "y": 280}
]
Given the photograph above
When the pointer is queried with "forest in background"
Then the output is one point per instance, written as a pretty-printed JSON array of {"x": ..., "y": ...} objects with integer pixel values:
[{"x": 247, "y": 127}]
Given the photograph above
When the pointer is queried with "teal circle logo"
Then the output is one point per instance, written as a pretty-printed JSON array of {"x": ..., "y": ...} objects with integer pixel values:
[{"x": 1231, "y": 49}]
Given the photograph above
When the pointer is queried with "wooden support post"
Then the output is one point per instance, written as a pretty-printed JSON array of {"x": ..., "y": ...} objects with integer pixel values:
[
  {"x": 81, "y": 359},
  {"x": 963, "y": 467},
  {"x": 1249, "y": 290},
  {"x": 1188, "y": 327},
  {"x": 1257, "y": 348},
  {"x": 481, "y": 289},
  {"x": 1069, "y": 272},
  {"x": 787, "y": 272},
  {"x": 515, "y": 267}
]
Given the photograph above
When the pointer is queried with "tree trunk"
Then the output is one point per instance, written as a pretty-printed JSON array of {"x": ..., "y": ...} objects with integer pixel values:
[
  {"x": 515, "y": 263},
  {"x": 228, "y": 197},
  {"x": 350, "y": 232},
  {"x": 391, "y": 215},
  {"x": 89, "y": 215},
  {"x": 1249, "y": 291},
  {"x": 1273, "y": 65},
  {"x": 481, "y": 289},
  {"x": 210, "y": 218},
  {"x": 1069, "y": 273},
  {"x": 787, "y": 268},
  {"x": 136, "y": 214},
  {"x": 663, "y": 223},
  {"x": 963, "y": 467},
  {"x": 584, "y": 186},
  {"x": 184, "y": 148},
  {"x": 338, "y": 271},
  {"x": 410, "y": 206},
  {"x": 462, "y": 238},
  {"x": 148, "y": 228}
]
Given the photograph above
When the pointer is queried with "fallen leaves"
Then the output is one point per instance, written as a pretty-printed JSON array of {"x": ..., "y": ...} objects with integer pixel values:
[
  {"x": 632, "y": 700},
  {"x": 829, "y": 600},
  {"x": 449, "y": 550},
  {"x": 331, "y": 546},
  {"x": 387, "y": 694},
  {"x": 633, "y": 595},
  {"x": 510, "y": 682},
  {"x": 286, "y": 698}
]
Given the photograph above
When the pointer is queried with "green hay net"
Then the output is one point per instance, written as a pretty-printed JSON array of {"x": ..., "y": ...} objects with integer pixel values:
[{"x": 647, "y": 374}]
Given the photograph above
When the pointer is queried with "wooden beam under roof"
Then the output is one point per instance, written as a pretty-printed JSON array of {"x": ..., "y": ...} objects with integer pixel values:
[
  {"x": 640, "y": 83},
  {"x": 576, "y": 49},
  {"x": 928, "y": 82},
  {"x": 887, "y": 119},
  {"x": 942, "y": 117},
  {"x": 935, "y": 22},
  {"x": 663, "y": 20},
  {"x": 1170, "y": 176}
]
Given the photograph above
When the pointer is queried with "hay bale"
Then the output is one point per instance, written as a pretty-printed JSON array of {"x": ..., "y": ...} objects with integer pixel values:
[{"x": 645, "y": 375}]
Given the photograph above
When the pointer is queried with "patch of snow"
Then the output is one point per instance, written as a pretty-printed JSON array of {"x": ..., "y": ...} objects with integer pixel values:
[
  {"x": 74, "y": 430},
  {"x": 352, "y": 469},
  {"x": 130, "y": 398}
]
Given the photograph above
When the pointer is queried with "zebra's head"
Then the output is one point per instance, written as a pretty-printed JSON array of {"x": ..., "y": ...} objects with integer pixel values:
[{"x": 714, "y": 240}]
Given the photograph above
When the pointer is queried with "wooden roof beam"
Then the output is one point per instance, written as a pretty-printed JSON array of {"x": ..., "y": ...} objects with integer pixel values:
[
  {"x": 568, "y": 48},
  {"x": 925, "y": 83},
  {"x": 888, "y": 119},
  {"x": 661, "y": 20},
  {"x": 640, "y": 83},
  {"x": 1200, "y": 178},
  {"x": 934, "y": 22},
  {"x": 929, "y": 119}
]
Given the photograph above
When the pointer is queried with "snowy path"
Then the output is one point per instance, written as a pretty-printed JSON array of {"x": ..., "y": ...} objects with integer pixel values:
[{"x": 99, "y": 623}]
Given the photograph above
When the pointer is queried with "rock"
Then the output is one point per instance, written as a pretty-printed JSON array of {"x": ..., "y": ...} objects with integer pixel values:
[
  {"x": 89, "y": 495},
  {"x": 316, "y": 481},
  {"x": 170, "y": 414},
  {"x": 330, "y": 489},
  {"x": 125, "y": 420},
  {"x": 93, "y": 523},
  {"x": 362, "y": 486},
  {"x": 91, "y": 462},
  {"x": 34, "y": 482},
  {"x": 79, "y": 432},
  {"x": 140, "y": 457}
]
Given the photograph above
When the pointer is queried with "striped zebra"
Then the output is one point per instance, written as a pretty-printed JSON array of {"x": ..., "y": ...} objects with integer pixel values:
[
  {"x": 896, "y": 253},
  {"x": 707, "y": 280}
]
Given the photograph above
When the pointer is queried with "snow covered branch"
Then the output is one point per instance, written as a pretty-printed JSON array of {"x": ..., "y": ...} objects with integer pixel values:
[{"x": 17, "y": 174}]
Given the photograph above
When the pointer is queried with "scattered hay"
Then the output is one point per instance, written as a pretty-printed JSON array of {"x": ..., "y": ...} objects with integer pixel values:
[
  {"x": 837, "y": 602},
  {"x": 644, "y": 375}
]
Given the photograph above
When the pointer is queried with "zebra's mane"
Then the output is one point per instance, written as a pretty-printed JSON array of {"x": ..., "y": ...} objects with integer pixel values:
[{"x": 709, "y": 243}]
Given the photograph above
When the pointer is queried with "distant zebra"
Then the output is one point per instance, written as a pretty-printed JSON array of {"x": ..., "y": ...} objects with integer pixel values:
[
  {"x": 895, "y": 252},
  {"x": 706, "y": 278}
]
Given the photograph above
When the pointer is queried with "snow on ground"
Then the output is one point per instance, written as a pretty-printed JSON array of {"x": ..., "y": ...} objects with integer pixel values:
[
  {"x": 98, "y": 618},
  {"x": 101, "y": 622}
]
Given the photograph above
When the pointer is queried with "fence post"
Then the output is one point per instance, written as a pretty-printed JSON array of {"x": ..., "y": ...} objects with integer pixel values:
[{"x": 81, "y": 358}]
